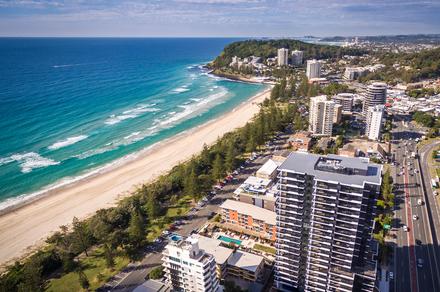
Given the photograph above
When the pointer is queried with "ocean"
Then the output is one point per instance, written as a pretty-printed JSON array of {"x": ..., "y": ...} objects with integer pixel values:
[{"x": 70, "y": 107}]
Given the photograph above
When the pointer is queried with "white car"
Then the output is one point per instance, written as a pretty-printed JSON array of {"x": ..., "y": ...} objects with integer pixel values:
[
  {"x": 391, "y": 275},
  {"x": 405, "y": 228},
  {"x": 419, "y": 202},
  {"x": 415, "y": 217}
]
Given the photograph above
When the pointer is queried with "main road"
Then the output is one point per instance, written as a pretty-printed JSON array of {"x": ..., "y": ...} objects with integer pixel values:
[{"x": 416, "y": 256}]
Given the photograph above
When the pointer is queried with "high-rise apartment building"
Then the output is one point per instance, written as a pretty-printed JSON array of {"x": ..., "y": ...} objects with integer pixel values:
[
  {"x": 375, "y": 94},
  {"x": 283, "y": 57},
  {"x": 297, "y": 57},
  {"x": 353, "y": 73},
  {"x": 337, "y": 114},
  {"x": 344, "y": 99},
  {"x": 313, "y": 69},
  {"x": 374, "y": 122},
  {"x": 325, "y": 211},
  {"x": 321, "y": 116},
  {"x": 189, "y": 268}
]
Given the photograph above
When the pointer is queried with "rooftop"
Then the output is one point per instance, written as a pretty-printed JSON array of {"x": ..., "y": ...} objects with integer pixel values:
[
  {"x": 268, "y": 168},
  {"x": 212, "y": 246},
  {"x": 250, "y": 210},
  {"x": 245, "y": 261},
  {"x": 345, "y": 170}
]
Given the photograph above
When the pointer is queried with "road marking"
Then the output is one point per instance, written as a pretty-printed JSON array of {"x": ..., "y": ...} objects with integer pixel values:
[
  {"x": 410, "y": 234},
  {"x": 429, "y": 198},
  {"x": 425, "y": 218}
]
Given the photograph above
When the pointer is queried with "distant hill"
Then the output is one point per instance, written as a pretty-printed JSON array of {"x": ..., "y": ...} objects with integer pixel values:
[{"x": 268, "y": 49}]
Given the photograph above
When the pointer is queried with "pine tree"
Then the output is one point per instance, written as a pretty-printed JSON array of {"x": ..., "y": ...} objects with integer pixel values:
[
  {"x": 152, "y": 206},
  {"x": 250, "y": 144},
  {"x": 217, "y": 167},
  {"x": 81, "y": 235},
  {"x": 136, "y": 230},
  {"x": 109, "y": 256},
  {"x": 231, "y": 157},
  {"x": 32, "y": 277},
  {"x": 275, "y": 93},
  {"x": 191, "y": 184}
]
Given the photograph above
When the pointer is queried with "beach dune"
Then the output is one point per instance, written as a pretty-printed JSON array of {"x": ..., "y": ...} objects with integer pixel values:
[{"x": 25, "y": 228}]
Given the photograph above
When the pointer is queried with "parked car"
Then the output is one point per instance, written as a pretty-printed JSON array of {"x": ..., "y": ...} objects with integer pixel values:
[
  {"x": 391, "y": 275},
  {"x": 415, "y": 217},
  {"x": 418, "y": 242},
  {"x": 420, "y": 263},
  {"x": 405, "y": 228},
  {"x": 419, "y": 202}
]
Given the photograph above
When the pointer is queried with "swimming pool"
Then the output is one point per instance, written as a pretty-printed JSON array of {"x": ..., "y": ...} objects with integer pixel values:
[
  {"x": 229, "y": 240},
  {"x": 175, "y": 237}
]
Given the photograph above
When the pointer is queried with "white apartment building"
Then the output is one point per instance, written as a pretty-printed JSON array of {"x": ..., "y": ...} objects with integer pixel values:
[
  {"x": 375, "y": 95},
  {"x": 297, "y": 57},
  {"x": 189, "y": 268},
  {"x": 321, "y": 115},
  {"x": 313, "y": 69},
  {"x": 283, "y": 57},
  {"x": 352, "y": 73},
  {"x": 374, "y": 122}
]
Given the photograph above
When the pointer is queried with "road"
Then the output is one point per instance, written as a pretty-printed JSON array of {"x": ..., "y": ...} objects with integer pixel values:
[
  {"x": 420, "y": 242},
  {"x": 134, "y": 275}
]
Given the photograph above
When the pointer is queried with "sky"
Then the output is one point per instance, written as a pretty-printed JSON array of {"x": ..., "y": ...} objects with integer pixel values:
[{"x": 217, "y": 18}]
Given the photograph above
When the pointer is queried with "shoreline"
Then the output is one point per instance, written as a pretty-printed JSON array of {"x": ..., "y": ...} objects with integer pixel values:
[
  {"x": 239, "y": 78},
  {"x": 25, "y": 226}
]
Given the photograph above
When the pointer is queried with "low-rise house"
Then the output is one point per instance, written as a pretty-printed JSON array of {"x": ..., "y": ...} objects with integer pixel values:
[
  {"x": 301, "y": 141},
  {"x": 349, "y": 151},
  {"x": 268, "y": 170}
]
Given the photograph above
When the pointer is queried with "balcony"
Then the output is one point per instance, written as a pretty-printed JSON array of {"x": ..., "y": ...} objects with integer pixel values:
[{"x": 323, "y": 209}]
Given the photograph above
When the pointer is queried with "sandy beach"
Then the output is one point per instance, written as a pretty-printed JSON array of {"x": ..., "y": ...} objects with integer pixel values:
[{"x": 24, "y": 229}]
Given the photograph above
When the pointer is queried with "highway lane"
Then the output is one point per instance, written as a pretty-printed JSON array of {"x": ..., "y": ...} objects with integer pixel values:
[
  {"x": 402, "y": 279},
  {"x": 426, "y": 277},
  {"x": 432, "y": 208}
]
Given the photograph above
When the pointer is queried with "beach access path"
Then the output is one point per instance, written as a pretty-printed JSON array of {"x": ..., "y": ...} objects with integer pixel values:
[{"x": 24, "y": 229}]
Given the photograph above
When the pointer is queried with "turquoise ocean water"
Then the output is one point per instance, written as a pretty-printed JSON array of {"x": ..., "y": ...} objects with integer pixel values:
[{"x": 69, "y": 107}]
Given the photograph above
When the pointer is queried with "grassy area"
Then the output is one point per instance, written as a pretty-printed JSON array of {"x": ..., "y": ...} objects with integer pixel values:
[
  {"x": 265, "y": 248},
  {"x": 94, "y": 268},
  {"x": 173, "y": 212},
  {"x": 182, "y": 206}
]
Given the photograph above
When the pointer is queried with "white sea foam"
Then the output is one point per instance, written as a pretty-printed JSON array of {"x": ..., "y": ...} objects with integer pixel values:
[
  {"x": 193, "y": 109},
  {"x": 180, "y": 89},
  {"x": 131, "y": 114},
  {"x": 28, "y": 161},
  {"x": 16, "y": 201},
  {"x": 115, "y": 144},
  {"x": 75, "y": 64},
  {"x": 67, "y": 142},
  {"x": 134, "y": 134}
]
